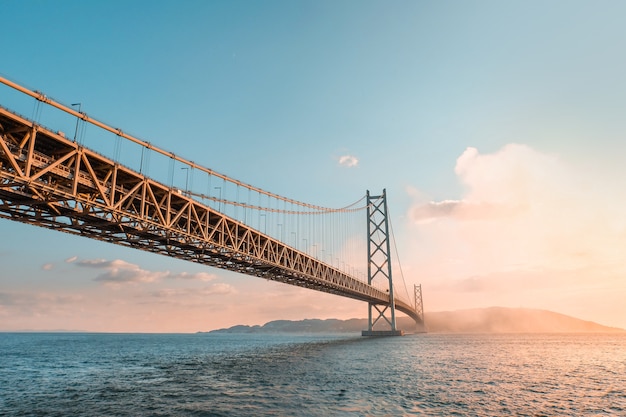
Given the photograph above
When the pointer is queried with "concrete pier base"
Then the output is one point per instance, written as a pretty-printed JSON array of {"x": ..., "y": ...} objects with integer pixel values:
[{"x": 382, "y": 333}]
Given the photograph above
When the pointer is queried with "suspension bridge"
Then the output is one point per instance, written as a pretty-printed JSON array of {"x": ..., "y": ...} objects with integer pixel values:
[{"x": 124, "y": 190}]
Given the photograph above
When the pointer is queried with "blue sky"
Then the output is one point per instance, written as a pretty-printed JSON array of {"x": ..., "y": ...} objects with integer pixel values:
[{"x": 274, "y": 93}]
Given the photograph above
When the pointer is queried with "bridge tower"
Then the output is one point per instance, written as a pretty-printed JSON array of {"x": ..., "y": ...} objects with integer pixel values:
[
  {"x": 419, "y": 306},
  {"x": 379, "y": 265}
]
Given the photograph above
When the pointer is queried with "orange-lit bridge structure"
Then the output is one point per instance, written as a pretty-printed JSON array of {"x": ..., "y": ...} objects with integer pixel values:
[{"x": 52, "y": 181}]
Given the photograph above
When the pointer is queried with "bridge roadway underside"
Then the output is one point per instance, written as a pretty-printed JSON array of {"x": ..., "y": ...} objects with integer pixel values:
[{"x": 49, "y": 181}]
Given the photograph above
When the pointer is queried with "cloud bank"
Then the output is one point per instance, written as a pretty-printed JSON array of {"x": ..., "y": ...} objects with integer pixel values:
[
  {"x": 120, "y": 272},
  {"x": 528, "y": 228},
  {"x": 185, "y": 293}
]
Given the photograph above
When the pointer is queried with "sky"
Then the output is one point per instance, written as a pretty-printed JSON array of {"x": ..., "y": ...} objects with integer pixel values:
[{"x": 496, "y": 128}]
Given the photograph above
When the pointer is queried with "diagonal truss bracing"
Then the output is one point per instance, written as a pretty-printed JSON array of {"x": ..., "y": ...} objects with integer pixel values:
[{"x": 50, "y": 181}]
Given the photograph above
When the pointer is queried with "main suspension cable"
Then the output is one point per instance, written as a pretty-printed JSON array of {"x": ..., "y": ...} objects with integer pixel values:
[{"x": 117, "y": 131}]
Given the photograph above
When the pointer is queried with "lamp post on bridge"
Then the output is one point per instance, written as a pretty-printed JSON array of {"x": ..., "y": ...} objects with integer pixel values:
[{"x": 80, "y": 105}]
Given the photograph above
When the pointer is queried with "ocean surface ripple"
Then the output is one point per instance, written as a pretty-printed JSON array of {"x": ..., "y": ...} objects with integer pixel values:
[{"x": 80, "y": 374}]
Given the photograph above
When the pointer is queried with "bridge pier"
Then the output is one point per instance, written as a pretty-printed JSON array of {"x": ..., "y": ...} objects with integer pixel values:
[{"x": 382, "y": 333}]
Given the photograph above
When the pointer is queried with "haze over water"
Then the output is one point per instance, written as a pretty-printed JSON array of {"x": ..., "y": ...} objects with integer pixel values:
[{"x": 300, "y": 375}]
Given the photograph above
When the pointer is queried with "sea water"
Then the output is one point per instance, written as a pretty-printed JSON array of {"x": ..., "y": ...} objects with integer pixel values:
[{"x": 77, "y": 374}]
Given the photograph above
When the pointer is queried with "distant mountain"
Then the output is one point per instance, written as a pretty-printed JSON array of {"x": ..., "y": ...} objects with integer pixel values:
[
  {"x": 510, "y": 320},
  {"x": 301, "y": 326},
  {"x": 482, "y": 320}
]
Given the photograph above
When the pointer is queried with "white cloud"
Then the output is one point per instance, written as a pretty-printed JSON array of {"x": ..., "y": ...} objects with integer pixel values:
[
  {"x": 213, "y": 289},
  {"x": 71, "y": 260},
  {"x": 47, "y": 267},
  {"x": 198, "y": 276},
  {"x": 348, "y": 161},
  {"x": 463, "y": 210},
  {"x": 41, "y": 303},
  {"x": 520, "y": 206},
  {"x": 119, "y": 272},
  {"x": 523, "y": 219}
]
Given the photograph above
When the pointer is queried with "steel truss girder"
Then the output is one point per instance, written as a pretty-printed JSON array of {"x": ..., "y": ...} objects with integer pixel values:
[{"x": 49, "y": 181}]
